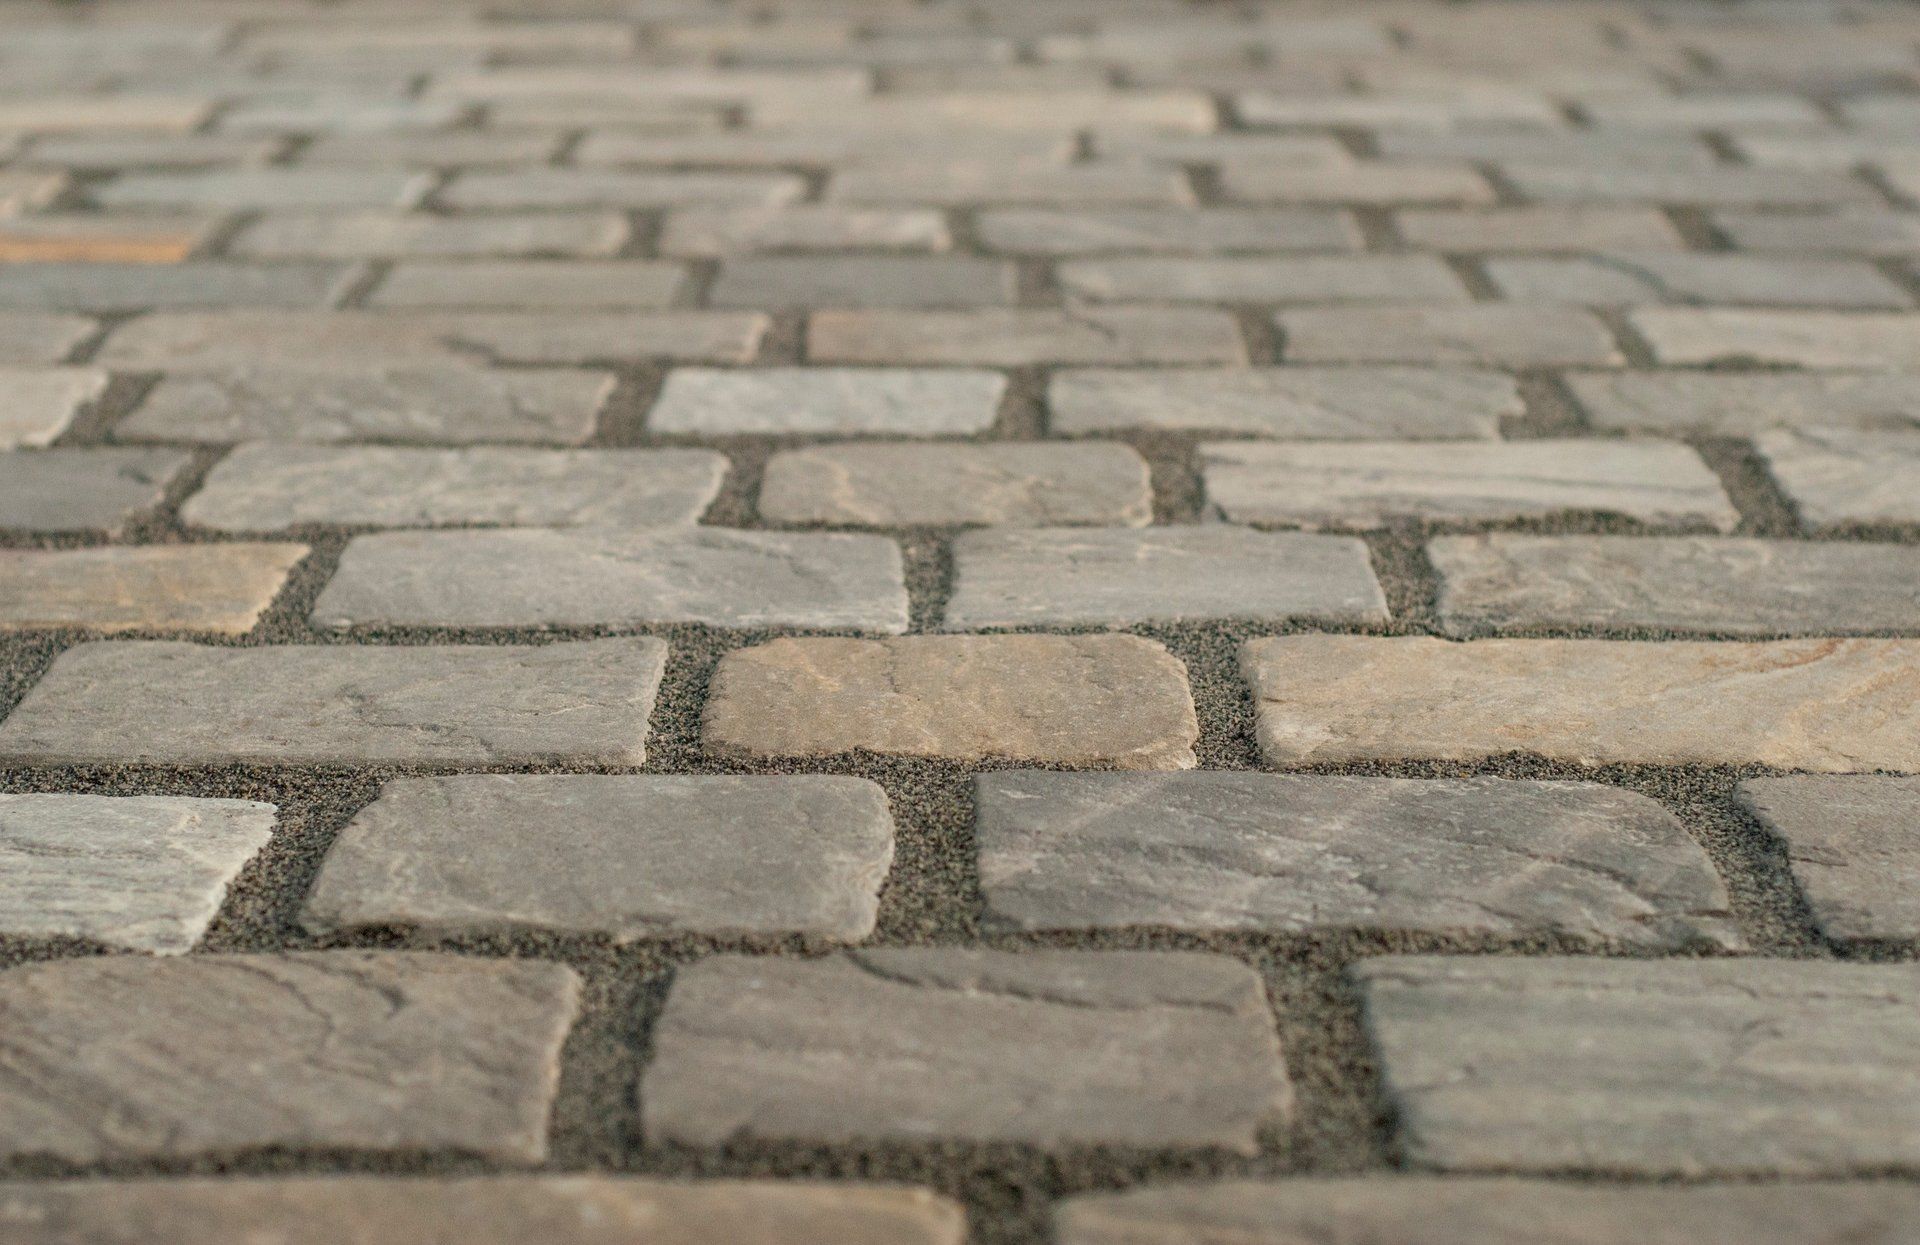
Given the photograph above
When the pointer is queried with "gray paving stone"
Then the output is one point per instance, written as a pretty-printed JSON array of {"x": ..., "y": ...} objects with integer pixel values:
[
  {"x": 1371, "y": 483},
  {"x": 1544, "y": 227},
  {"x": 1310, "y": 403},
  {"x": 1047, "y": 1048},
  {"x": 1501, "y": 580},
  {"x": 36, "y": 339},
  {"x": 83, "y": 490},
  {"x": 1702, "y": 1067},
  {"x": 531, "y": 283},
  {"x": 535, "y": 577},
  {"x": 1857, "y": 232},
  {"x": 448, "y": 403},
  {"x": 1163, "y": 147},
  {"x": 1871, "y": 341},
  {"x": 108, "y": 287},
  {"x": 268, "y": 487},
  {"x": 1738, "y": 280},
  {"x": 222, "y": 588},
  {"x": 980, "y": 181},
  {"x": 1119, "y": 577},
  {"x": 1837, "y": 476},
  {"x": 629, "y": 856},
  {"x": 167, "y": 703},
  {"x": 798, "y": 282},
  {"x": 368, "y": 235},
  {"x": 1487, "y": 334},
  {"x": 1826, "y": 705},
  {"x": 435, "y": 149},
  {"x": 1853, "y": 844},
  {"x": 1490, "y": 105},
  {"x": 478, "y": 1210},
  {"x": 79, "y": 113},
  {"x": 1721, "y": 186},
  {"x": 1374, "y": 183},
  {"x": 839, "y": 401},
  {"x": 1039, "y": 231},
  {"x": 108, "y": 151},
  {"x": 1113, "y": 700},
  {"x": 27, "y": 190},
  {"x": 1399, "y": 1210},
  {"x": 1020, "y": 337},
  {"x": 1726, "y": 404},
  {"x": 707, "y": 231},
  {"x": 363, "y": 1050},
  {"x": 1260, "y": 279},
  {"x": 339, "y": 114},
  {"x": 143, "y": 873},
  {"x": 1012, "y": 483},
  {"x": 38, "y": 404},
  {"x": 1580, "y": 148},
  {"x": 560, "y": 188},
  {"x": 265, "y": 189},
  {"x": 1226, "y": 851},
  {"x": 821, "y": 142}
]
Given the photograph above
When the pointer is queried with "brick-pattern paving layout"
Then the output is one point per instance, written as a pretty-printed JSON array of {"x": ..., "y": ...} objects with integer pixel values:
[{"x": 960, "y": 622}]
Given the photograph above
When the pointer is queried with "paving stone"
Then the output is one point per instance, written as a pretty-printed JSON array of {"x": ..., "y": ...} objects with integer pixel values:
[
  {"x": 268, "y": 487},
  {"x": 1816, "y": 339},
  {"x": 1546, "y": 227},
  {"x": 1293, "y": 402},
  {"x": 823, "y": 142},
  {"x": 1495, "y": 334},
  {"x": 1745, "y": 280},
  {"x": 167, "y": 703},
  {"x": 478, "y": 1210},
  {"x": 531, "y": 283},
  {"x": 1011, "y": 483},
  {"x": 1728, "y": 404},
  {"x": 1258, "y": 279},
  {"x": 1502, "y": 580},
  {"x": 1370, "y": 483},
  {"x": 705, "y": 231},
  {"x": 547, "y": 187},
  {"x": 1705, "y": 111},
  {"x": 1837, "y": 476},
  {"x": 27, "y": 190},
  {"x": 799, "y": 282},
  {"x": 535, "y": 577},
  {"x": 1853, "y": 848},
  {"x": 339, "y": 114},
  {"x": 38, "y": 404},
  {"x": 422, "y": 403},
  {"x": 83, "y": 490},
  {"x": 1859, "y": 232},
  {"x": 1580, "y": 148},
  {"x": 223, "y": 588},
  {"x": 967, "y": 182},
  {"x": 1020, "y": 337},
  {"x": 1835, "y": 151},
  {"x": 78, "y": 113},
  {"x": 95, "y": 286},
  {"x": 1492, "y": 105},
  {"x": 101, "y": 239},
  {"x": 1690, "y": 1067},
  {"x": 629, "y": 856},
  {"x": 109, "y": 151},
  {"x": 1046, "y": 1048},
  {"x": 1399, "y": 1210},
  {"x": 1373, "y": 183},
  {"x": 1240, "y": 851},
  {"x": 1026, "y": 112},
  {"x": 1071, "y": 700},
  {"x": 365, "y": 1050},
  {"x": 195, "y": 341},
  {"x": 842, "y": 401},
  {"x": 1722, "y": 186},
  {"x": 1161, "y": 147},
  {"x": 362, "y": 235},
  {"x": 264, "y": 189},
  {"x": 32, "y": 338},
  {"x": 1040, "y": 231},
  {"x": 1117, "y": 577},
  {"x": 1826, "y": 705},
  {"x": 435, "y": 149}
]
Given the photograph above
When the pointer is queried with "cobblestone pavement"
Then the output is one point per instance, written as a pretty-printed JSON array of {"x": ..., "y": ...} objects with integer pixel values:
[{"x": 906, "y": 622}]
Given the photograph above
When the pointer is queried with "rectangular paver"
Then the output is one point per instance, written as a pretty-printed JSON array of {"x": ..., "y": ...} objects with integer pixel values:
[
  {"x": 1263, "y": 279},
  {"x": 363, "y": 235},
  {"x": 560, "y": 284},
  {"x": 841, "y": 401},
  {"x": 1303, "y": 403},
  {"x": 37, "y": 404},
  {"x": 1813, "y": 339},
  {"x": 104, "y": 287},
  {"x": 779, "y": 282},
  {"x": 83, "y": 490},
  {"x": 1728, "y": 404},
  {"x": 1013, "y": 483},
  {"x": 1085, "y": 231},
  {"x": 222, "y": 588},
  {"x": 1838, "y": 476},
  {"x": 1492, "y": 334},
  {"x": 1853, "y": 843},
  {"x": 1019, "y": 337}
]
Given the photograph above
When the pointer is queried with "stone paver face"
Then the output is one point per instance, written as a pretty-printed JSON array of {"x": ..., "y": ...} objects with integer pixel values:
[
  {"x": 1306, "y": 403},
  {"x": 269, "y": 487},
  {"x": 1095, "y": 184},
  {"x": 1018, "y": 484},
  {"x": 1116, "y": 577},
  {"x": 1020, "y": 337},
  {"x": 1047, "y": 1048},
  {"x": 1072, "y": 700},
  {"x": 1739, "y": 405},
  {"x": 83, "y": 490},
  {"x": 631, "y": 856},
  {"x": 423, "y": 403},
  {"x": 143, "y": 873},
  {"x": 170, "y": 703},
  {"x": 1370, "y": 184},
  {"x": 1836, "y": 476},
  {"x": 359, "y": 235},
  {"x": 1829, "y": 705},
  {"x": 129, "y": 239},
  {"x": 1740, "y": 587},
  {"x": 264, "y": 189},
  {"x": 1545, "y": 228},
  {"x": 785, "y": 282},
  {"x": 531, "y": 283},
  {"x": 1860, "y": 232},
  {"x": 362, "y": 1050},
  {"x": 1268, "y": 851},
  {"x": 1258, "y": 279},
  {"x": 1483, "y": 333},
  {"x": 1708, "y": 187},
  {"x": 36, "y": 339},
  {"x": 490, "y": 1210},
  {"x": 596, "y": 576},
  {"x": 92, "y": 286},
  {"x": 709, "y": 231},
  {"x": 38, "y": 404},
  {"x": 842, "y": 401},
  {"x": 563, "y": 188},
  {"x": 1854, "y": 846},
  {"x": 1815, "y": 339},
  {"x": 1684, "y": 1067},
  {"x": 221, "y": 588},
  {"x": 1460, "y": 1211},
  {"x": 1366, "y": 484},
  {"x": 1038, "y": 231},
  {"x": 1740, "y": 280}
]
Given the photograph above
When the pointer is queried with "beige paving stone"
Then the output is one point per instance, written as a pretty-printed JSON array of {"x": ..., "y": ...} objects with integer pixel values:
[
  {"x": 1041, "y": 231},
  {"x": 1688, "y": 1067},
  {"x": 37, "y": 404},
  {"x": 1305, "y": 403},
  {"x": 1838, "y": 476},
  {"x": 1117, "y": 701},
  {"x": 1016, "y": 337},
  {"x": 109, "y": 150},
  {"x": 78, "y": 113},
  {"x": 221, "y": 588},
  {"x": 1377, "y": 184},
  {"x": 477, "y": 1210},
  {"x": 1734, "y": 404},
  {"x": 558, "y": 284},
  {"x": 83, "y": 490},
  {"x": 822, "y": 142},
  {"x": 1046, "y": 1048},
  {"x": 713, "y": 232},
  {"x": 435, "y": 148},
  {"x": 1260, "y": 279},
  {"x": 263, "y": 189},
  {"x": 953, "y": 182},
  {"x": 1541, "y": 228},
  {"x": 1853, "y": 844},
  {"x": 1718, "y": 186},
  {"x": 39, "y": 339},
  {"x": 582, "y": 188},
  {"x": 1735, "y": 280},
  {"x": 1830, "y": 705},
  {"x": 834, "y": 401},
  {"x": 1856, "y": 232},
  {"x": 1485, "y": 334},
  {"x": 100, "y": 239},
  {"x": 351, "y": 1050},
  {"x": 798, "y": 282},
  {"x": 1014, "y": 483},
  {"x": 366, "y": 235},
  {"x": 1491, "y": 105}
]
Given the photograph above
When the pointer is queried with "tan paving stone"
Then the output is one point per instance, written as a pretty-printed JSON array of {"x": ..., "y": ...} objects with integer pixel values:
[
  {"x": 221, "y": 588},
  {"x": 1020, "y": 484},
  {"x": 1020, "y": 337}
]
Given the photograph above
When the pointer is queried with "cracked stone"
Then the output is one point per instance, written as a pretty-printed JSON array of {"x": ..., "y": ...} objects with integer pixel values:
[
  {"x": 222, "y": 588},
  {"x": 1305, "y": 403},
  {"x": 1006, "y": 484},
  {"x": 1853, "y": 844},
  {"x": 83, "y": 490}
]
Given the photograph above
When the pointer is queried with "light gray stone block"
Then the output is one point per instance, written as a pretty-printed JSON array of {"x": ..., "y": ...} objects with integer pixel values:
[
  {"x": 1732, "y": 280},
  {"x": 1539, "y": 228},
  {"x": 718, "y": 232},
  {"x": 1714, "y": 186},
  {"x": 559, "y": 284},
  {"x": 1863, "y": 231},
  {"x": 369, "y": 235},
  {"x": 1041, "y": 231},
  {"x": 1853, "y": 844},
  {"x": 1023, "y": 337},
  {"x": 108, "y": 287},
  {"x": 83, "y": 490},
  {"x": 1859, "y": 340},
  {"x": 1011, "y": 483},
  {"x": 1307, "y": 403},
  {"x": 965, "y": 182},
  {"x": 842, "y": 401},
  {"x": 563, "y": 188},
  {"x": 1728, "y": 404},
  {"x": 1369, "y": 184},
  {"x": 1265, "y": 279},
  {"x": 784, "y": 282},
  {"x": 1837, "y": 476},
  {"x": 1484, "y": 334},
  {"x": 36, "y": 339},
  {"x": 38, "y": 404},
  {"x": 222, "y": 587},
  {"x": 263, "y": 189}
]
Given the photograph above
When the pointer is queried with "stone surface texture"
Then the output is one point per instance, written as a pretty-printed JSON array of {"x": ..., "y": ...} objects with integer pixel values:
[
  {"x": 1853, "y": 844},
  {"x": 1027, "y": 484},
  {"x": 221, "y": 588}
]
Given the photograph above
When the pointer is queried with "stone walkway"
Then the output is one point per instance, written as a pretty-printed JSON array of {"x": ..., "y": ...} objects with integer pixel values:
[{"x": 906, "y": 622}]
